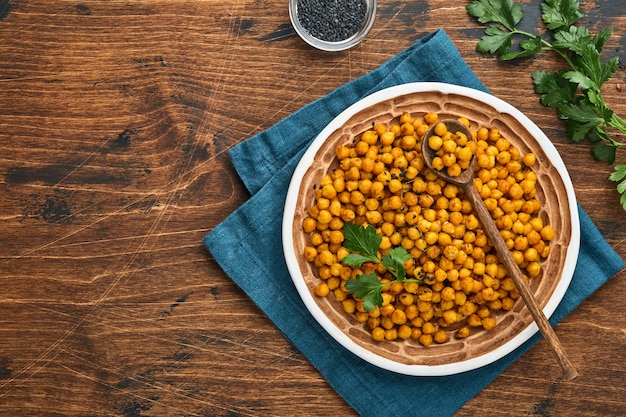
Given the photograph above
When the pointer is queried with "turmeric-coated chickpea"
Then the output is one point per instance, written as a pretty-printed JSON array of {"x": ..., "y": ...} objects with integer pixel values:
[
  {"x": 531, "y": 254},
  {"x": 547, "y": 232},
  {"x": 408, "y": 142},
  {"x": 326, "y": 257},
  {"x": 431, "y": 118},
  {"x": 333, "y": 282},
  {"x": 533, "y": 269},
  {"x": 455, "y": 170},
  {"x": 428, "y": 328},
  {"x": 488, "y": 323},
  {"x": 404, "y": 331},
  {"x": 387, "y": 138},
  {"x": 322, "y": 289},
  {"x": 386, "y": 322},
  {"x": 361, "y": 148},
  {"x": 435, "y": 142},
  {"x": 309, "y": 225},
  {"x": 426, "y": 339},
  {"x": 324, "y": 217},
  {"x": 349, "y": 305},
  {"x": 449, "y": 146},
  {"x": 361, "y": 316},
  {"x": 405, "y": 117},
  {"x": 450, "y": 316},
  {"x": 380, "y": 128},
  {"x": 462, "y": 333},
  {"x": 440, "y": 129},
  {"x": 370, "y": 137},
  {"x": 310, "y": 253},
  {"x": 340, "y": 294},
  {"x": 398, "y": 317},
  {"x": 374, "y": 217},
  {"x": 507, "y": 303},
  {"x": 529, "y": 159},
  {"x": 378, "y": 334},
  {"x": 474, "y": 320},
  {"x": 441, "y": 336},
  {"x": 482, "y": 311}
]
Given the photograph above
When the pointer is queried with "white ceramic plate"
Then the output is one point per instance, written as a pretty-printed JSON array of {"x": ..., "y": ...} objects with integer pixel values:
[{"x": 554, "y": 190}]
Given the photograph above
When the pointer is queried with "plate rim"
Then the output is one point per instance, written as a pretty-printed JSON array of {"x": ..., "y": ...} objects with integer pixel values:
[{"x": 337, "y": 334}]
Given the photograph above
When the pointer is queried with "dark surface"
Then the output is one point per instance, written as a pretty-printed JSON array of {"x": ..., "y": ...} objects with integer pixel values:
[{"x": 115, "y": 121}]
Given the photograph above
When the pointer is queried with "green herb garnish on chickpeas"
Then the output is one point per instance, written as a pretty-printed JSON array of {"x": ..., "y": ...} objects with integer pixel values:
[{"x": 365, "y": 242}]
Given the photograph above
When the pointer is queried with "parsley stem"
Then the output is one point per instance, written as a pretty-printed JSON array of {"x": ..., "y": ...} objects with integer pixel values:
[{"x": 619, "y": 124}]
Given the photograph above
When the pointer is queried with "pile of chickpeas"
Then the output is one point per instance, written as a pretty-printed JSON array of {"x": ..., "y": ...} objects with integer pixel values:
[
  {"x": 381, "y": 180},
  {"x": 453, "y": 150}
]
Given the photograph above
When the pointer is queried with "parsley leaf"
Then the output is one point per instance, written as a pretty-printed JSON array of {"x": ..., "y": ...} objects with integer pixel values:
[
  {"x": 620, "y": 175},
  {"x": 575, "y": 39},
  {"x": 604, "y": 152},
  {"x": 365, "y": 241},
  {"x": 367, "y": 287},
  {"x": 504, "y": 12},
  {"x": 555, "y": 89},
  {"x": 528, "y": 47},
  {"x": 495, "y": 40},
  {"x": 560, "y": 13},
  {"x": 361, "y": 239},
  {"x": 394, "y": 262}
]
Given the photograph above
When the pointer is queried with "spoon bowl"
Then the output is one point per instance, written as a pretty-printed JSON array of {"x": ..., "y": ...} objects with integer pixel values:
[
  {"x": 465, "y": 180},
  {"x": 454, "y": 126}
]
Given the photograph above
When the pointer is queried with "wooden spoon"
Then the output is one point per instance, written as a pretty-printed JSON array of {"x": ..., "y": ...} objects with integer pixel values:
[{"x": 466, "y": 181}]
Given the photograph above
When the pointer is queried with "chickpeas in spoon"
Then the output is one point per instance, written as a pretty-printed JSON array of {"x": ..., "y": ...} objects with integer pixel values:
[{"x": 456, "y": 166}]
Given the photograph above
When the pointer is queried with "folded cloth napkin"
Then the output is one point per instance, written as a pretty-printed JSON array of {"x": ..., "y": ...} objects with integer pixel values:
[{"x": 266, "y": 162}]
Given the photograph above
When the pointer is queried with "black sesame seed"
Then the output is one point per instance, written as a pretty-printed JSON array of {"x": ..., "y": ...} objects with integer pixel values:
[{"x": 332, "y": 20}]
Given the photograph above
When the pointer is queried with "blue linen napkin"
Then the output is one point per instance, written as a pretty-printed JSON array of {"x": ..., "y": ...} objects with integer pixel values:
[{"x": 266, "y": 162}]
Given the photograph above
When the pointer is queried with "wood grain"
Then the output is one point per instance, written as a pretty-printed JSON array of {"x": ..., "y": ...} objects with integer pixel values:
[{"x": 115, "y": 122}]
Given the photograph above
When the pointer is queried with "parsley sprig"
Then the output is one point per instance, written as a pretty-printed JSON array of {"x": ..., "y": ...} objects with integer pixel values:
[
  {"x": 364, "y": 242},
  {"x": 574, "y": 91}
]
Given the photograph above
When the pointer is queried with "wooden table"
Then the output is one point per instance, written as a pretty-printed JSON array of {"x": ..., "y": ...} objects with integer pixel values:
[{"x": 115, "y": 121}]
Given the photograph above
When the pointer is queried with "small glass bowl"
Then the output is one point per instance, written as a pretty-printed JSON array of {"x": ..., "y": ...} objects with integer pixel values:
[{"x": 368, "y": 22}]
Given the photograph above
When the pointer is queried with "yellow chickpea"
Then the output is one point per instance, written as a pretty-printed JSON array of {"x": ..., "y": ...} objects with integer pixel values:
[
  {"x": 349, "y": 305},
  {"x": 310, "y": 253},
  {"x": 391, "y": 334},
  {"x": 488, "y": 323},
  {"x": 398, "y": 317},
  {"x": 322, "y": 289},
  {"x": 309, "y": 225},
  {"x": 426, "y": 339},
  {"x": 455, "y": 170},
  {"x": 378, "y": 334},
  {"x": 547, "y": 232},
  {"x": 529, "y": 159},
  {"x": 431, "y": 118},
  {"x": 404, "y": 331},
  {"x": 474, "y": 320},
  {"x": 462, "y": 333},
  {"x": 440, "y": 336},
  {"x": 435, "y": 142},
  {"x": 507, "y": 303}
]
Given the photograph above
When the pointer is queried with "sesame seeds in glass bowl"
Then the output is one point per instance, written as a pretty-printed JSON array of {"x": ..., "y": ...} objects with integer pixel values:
[{"x": 332, "y": 25}]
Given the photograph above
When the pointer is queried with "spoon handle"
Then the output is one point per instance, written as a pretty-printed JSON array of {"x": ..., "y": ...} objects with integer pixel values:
[{"x": 516, "y": 274}]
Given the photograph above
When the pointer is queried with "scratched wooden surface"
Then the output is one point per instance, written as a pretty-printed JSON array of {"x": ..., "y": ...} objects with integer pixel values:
[{"x": 115, "y": 119}]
